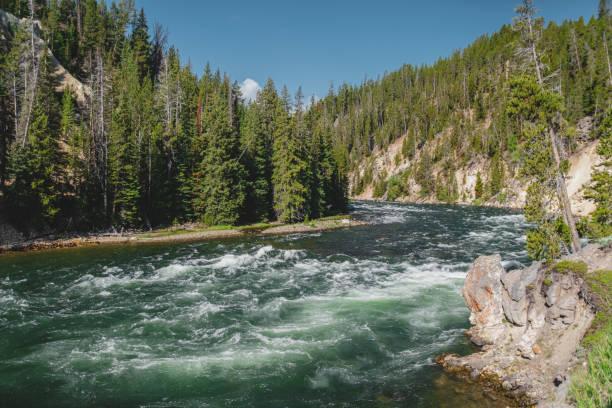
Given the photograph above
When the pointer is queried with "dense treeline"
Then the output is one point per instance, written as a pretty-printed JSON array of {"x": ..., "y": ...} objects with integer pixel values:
[
  {"x": 150, "y": 143},
  {"x": 146, "y": 142},
  {"x": 466, "y": 94}
]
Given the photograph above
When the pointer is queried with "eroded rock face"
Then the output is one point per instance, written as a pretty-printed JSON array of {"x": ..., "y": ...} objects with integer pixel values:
[
  {"x": 514, "y": 297},
  {"x": 561, "y": 299},
  {"x": 546, "y": 312},
  {"x": 482, "y": 291}
]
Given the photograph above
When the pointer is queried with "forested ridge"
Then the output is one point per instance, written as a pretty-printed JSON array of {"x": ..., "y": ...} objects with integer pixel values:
[
  {"x": 152, "y": 143},
  {"x": 462, "y": 101}
]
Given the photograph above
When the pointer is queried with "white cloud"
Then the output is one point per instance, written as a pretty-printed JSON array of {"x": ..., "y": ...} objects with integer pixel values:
[{"x": 249, "y": 89}]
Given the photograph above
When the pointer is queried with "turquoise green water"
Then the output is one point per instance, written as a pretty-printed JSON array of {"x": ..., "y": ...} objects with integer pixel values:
[{"x": 345, "y": 318}]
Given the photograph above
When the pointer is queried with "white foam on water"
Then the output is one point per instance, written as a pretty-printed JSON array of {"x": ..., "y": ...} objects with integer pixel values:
[
  {"x": 253, "y": 311},
  {"x": 172, "y": 271},
  {"x": 263, "y": 251},
  {"x": 324, "y": 377},
  {"x": 9, "y": 300},
  {"x": 203, "y": 309}
]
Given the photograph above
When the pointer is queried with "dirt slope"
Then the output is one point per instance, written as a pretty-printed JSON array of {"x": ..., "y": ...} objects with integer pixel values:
[
  {"x": 385, "y": 161},
  {"x": 61, "y": 75}
]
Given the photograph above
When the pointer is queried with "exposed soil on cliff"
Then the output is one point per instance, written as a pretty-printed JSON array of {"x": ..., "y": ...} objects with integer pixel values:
[{"x": 390, "y": 162}]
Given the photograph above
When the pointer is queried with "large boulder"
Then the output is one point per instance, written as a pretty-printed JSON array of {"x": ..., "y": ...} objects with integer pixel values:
[
  {"x": 561, "y": 298},
  {"x": 482, "y": 291},
  {"x": 514, "y": 297}
]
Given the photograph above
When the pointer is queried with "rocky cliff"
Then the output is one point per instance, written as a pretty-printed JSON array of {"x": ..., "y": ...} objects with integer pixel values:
[
  {"x": 389, "y": 162},
  {"x": 530, "y": 323},
  {"x": 63, "y": 78}
]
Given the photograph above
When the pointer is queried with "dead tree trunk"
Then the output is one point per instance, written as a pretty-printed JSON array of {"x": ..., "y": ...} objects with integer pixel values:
[
  {"x": 607, "y": 57},
  {"x": 561, "y": 187},
  {"x": 31, "y": 93}
]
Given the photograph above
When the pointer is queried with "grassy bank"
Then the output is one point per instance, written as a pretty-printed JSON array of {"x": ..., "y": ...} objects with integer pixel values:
[
  {"x": 592, "y": 383},
  {"x": 185, "y": 233}
]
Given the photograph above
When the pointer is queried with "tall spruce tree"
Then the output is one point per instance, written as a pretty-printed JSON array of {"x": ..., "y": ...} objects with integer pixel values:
[
  {"x": 289, "y": 168},
  {"x": 601, "y": 189},
  {"x": 257, "y": 155},
  {"x": 35, "y": 194},
  {"x": 222, "y": 176},
  {"x": 123, "y": 157},
  {"x": 140, "y": 43},
  {"x": 535, "y": 108}
]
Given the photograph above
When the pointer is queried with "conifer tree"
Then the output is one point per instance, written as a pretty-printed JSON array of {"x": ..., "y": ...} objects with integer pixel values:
[
  {"x": 603, "y": 9},
  {"x": 221, "y": 190},
  {"x": 92, "y": 28},
  {"x": 535, "y": 107},
  {"x": 140, "y": 43},
  {"x": 34, "y": 196},
  {"x": 71, "y": 136},
  {"x": 601, "y": 189},
  {"x": 289, "y": 169},
  {"x": 530, "y": 28},
  {"x": 123, "y": 157},
  {"x": 496, "y": 179},
  {"x": 478, "y": 188},
  {"x": 257, "y": 155}
]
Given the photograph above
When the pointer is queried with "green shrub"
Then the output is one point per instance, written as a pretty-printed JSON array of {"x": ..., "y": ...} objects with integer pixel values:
[
  {"x": 394, "y": 189},
  {"x": 379, "y": 188},
  {"x": 564, "y": 267},
  {"x": 592, "y": 386}
]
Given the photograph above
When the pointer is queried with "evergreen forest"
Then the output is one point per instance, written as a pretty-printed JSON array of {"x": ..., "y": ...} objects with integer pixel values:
[{"x": 144, "y": 141}]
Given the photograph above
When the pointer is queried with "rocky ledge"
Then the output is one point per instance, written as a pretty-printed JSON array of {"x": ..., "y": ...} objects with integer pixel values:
[{"x": 529, "y": 323}]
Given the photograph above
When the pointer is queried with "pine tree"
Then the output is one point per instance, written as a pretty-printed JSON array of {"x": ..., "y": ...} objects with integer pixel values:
[
  {"x": 34, "y": 196},
  {"x": 257, "y": 155},
  {"x": 71, "y": 136},
  {"x": 603, "y": 10},
  {"x": 222, "y": 189},
  {"x": 478, "y": 188},
  {"x": 140, "y": 44},
  {"x": 531, "y": 29},
  {"x": 535, "y": 107},
  {"x": 289, "y": 169},
  {"x": 92, "y": 27},
  {"x": 123, "y": 156},
  {"x": 601, "y": 189},
  {"x": 496, "y": 180}
]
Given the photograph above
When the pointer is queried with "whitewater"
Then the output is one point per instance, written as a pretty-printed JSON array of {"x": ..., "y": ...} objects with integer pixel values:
[{"x": 345, "y": 318}]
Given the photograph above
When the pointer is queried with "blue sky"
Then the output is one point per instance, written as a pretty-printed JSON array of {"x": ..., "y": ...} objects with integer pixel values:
[{"x": 314, "y": 43}]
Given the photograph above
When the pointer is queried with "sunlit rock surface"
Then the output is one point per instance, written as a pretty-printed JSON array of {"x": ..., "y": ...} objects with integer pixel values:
[{"x": 530, "y": 323}]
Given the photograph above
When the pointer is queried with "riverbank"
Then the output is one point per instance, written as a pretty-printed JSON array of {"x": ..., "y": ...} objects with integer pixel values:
[
  {"x": 531, "y": 324},
  {"x": 429, "y": 201},
  {"x": 182, "y": 233},
  {"x": 390, "y": 164}
]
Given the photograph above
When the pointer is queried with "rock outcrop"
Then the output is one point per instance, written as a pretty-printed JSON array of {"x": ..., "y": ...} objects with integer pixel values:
[
  {"x": 63, "y": 78},
  {"x": 482, "y": 293},
  {"x": 389, "y": 162},
  {"x": 529, "y": 323}
]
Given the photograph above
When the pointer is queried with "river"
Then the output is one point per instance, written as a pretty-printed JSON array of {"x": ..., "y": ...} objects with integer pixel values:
[{"x": 344, "y": 318}]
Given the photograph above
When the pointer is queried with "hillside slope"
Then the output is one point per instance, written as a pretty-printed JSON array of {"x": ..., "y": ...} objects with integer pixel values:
[
  {"x": 389, "y": 163},
  {"x": 62, "y": 78}
]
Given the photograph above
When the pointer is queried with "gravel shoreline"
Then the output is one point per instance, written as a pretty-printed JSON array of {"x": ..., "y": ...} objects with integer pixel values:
[{"x": 187, "y": 236}]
